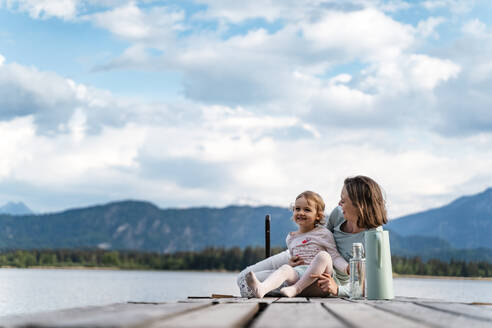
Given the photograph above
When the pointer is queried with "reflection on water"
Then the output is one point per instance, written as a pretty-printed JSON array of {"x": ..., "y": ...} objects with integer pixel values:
[
  {"x": 447, "y": 289},
  {"x": 34, "y": 290}
]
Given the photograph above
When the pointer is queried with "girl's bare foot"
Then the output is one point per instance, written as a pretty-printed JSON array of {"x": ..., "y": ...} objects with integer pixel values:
[
  {"x": 290, "y": 291},
  {"x": 255, "y": 285}
]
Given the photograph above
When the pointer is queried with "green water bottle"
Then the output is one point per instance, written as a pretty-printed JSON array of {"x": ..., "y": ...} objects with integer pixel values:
[{"x": 379, "y": 275}]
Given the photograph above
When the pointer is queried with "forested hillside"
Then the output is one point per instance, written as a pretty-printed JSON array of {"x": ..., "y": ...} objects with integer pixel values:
[
  {"x": 134, "y": 225},
  {"x": 460, "y": 230},
  {"x": 465, "y": 223}
]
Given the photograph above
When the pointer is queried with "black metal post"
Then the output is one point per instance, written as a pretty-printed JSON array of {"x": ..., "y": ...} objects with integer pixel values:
[{"x": 267, "y": 236}]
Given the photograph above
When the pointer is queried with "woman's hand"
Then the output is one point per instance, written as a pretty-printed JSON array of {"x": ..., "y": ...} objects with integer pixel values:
[
  {"x": 295, "y": 261},
  {"x": 326, "y": 283}
]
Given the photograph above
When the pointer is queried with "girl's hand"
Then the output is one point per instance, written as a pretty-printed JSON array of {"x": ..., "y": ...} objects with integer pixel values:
[
  {"x": 295, "y": 261},
  {"x": 326, "y": 283}
]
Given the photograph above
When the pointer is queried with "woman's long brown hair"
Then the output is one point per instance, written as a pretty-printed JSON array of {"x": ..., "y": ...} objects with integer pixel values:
[{"x": 367, "y": 197}]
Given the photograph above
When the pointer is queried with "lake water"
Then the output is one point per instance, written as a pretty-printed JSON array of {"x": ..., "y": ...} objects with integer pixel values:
[{"x": 36, "y": 290}]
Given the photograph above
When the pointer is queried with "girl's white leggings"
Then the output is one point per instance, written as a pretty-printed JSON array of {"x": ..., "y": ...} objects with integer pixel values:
[{"x": 262, "y": 270}]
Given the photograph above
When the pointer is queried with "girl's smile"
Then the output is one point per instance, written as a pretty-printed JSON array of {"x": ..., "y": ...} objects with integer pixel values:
[{"x": 304, "y": 215}]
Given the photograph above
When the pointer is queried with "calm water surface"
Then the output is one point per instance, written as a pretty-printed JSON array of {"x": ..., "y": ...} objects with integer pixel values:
[{"x": 34, "y": 290}]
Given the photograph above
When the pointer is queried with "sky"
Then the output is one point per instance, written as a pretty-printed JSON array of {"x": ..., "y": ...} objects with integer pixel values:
[{"x": 219, "y": 102}]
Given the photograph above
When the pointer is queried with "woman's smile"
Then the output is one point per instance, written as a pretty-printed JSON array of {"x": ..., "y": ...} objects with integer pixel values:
[{"x": 348, "y": 209}]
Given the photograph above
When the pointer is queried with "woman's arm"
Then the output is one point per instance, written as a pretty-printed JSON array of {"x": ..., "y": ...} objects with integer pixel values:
[
  {"x": 328, "y": 242},
  {"x": 328, "y": 285}
]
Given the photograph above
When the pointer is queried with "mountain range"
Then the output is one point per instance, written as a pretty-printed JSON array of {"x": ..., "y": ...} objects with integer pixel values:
[
  {"x": 14, "y": 208},
  {"x": 459, "y": 230},
  {"x": 143, "y": 226},
  {"x": 464, "y": 223}
]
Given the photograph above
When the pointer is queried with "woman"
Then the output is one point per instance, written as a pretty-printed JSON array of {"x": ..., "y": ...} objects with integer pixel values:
[{"x": 361, "y": 207}]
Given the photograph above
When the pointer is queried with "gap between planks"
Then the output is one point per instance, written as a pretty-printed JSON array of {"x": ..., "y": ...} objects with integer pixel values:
[{"x": 217, "y": 316}]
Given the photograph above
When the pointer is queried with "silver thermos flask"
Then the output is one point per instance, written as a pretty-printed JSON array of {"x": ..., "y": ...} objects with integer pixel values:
[{"x": 357, "y": 272}]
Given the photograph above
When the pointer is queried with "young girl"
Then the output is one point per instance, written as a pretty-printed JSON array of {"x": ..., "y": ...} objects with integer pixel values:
[{"x": 313, "y": 243}]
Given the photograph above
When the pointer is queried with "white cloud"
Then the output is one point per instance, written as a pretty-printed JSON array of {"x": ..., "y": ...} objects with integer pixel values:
[
  {"x": 135, "y": 56},
  {"x": 473, "y": 50},
  {"x": 482, "y": 72},
  {"x": 335, "y": 89},
  {"x": 238, "y": 11},
  {"x": 475, "y": 28},
  {"x": 455, "y": 6},
  {"x": 67, "y": 10},
  {"x": 427, "y": 27},
  {"x": 64, "y": 9},
  {"x": 156, "y": 25},
  {"x": 341, "y": 78},
  {"x": 408, "y": 74},
  {"x": 77, "y": 124},
  {"x": 343, "y": 98},
  {"x": 15, "y": 136},
  {"x": 392, "y": 5},
  {"x": 433, "y": 4},
  {"x": 65, "y": 159},
  {"x": 240, "y": 154},
  {"x": 51, "y": 100},
  {"x": 127, "y": 21},
  {"x": 290, "y": 10},
  {"x": 262, "y": 68},
  {"x": 27, "y": 91},
  {"x": 367, "y": 34},
  {"x": 427, "y": 72}
]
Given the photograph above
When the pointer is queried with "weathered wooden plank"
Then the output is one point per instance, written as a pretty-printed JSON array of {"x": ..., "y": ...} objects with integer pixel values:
[
  {"x": 296, "y": 315},
  {"x": 415, "y": 299},
  {"x": 200, "y": 300},
  {"x": 213, "y": 296},
  {"x": 474, "y": 312},
  {"x": 285, "y": 312},
  {"x": 292, "y": 300},
  {"x": 358, "y": 314},
  {"x": 429, "y": 316},
  {"x": 217, "y": 316},
  {"x": 266, "y": 300},
  {"x": 327, "y": 300},
  {"x": 115, "y": 315}
]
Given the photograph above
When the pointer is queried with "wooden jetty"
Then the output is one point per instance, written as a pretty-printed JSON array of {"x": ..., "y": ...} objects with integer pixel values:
[{"x": 223, "y": 311}]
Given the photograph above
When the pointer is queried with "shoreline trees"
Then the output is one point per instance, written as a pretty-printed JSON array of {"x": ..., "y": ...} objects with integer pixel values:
[{"x": 212, "y": 258}]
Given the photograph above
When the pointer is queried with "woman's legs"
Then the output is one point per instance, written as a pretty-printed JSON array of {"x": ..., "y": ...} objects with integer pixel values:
[
  {"x": 284, "y": 273},
  {"x": 262, "y": 270},
  {"x": 321, "y": 263}
]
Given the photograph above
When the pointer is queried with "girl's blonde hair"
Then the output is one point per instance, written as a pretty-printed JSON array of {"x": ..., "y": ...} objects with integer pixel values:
[
  {"x": 319, "y": 204},
  {"x": 366, "y": 195}
]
